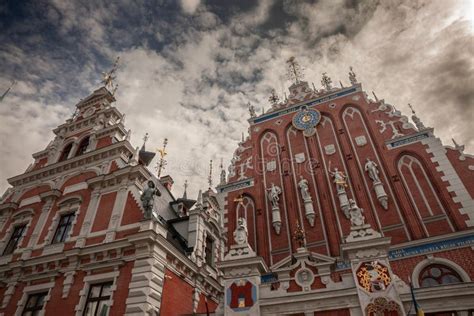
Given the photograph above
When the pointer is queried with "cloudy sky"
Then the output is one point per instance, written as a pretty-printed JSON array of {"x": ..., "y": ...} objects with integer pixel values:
[{"x": 189, "y": 68}]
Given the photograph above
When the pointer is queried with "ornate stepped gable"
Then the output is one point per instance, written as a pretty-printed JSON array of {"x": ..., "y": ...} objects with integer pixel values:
[
  {"x": 75, "y": 220},
  {"x": 367, "y": 187}
]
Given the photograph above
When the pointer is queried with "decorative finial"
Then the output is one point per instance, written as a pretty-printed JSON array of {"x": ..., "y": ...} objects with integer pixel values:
[
  {"x": 160, "y": 166},
  {"x": 298, "y": 235},
  {"x": 251, "y": 110},
  {"x": 145, "y": 138},
  {"x": 273, "y": 98},
  {"x": 419, "y": 124},
  {"x": 108, "y": 77},
  {"x": 352, "y": 76},
  {"x": 326, "y": 81},
  {"x": 209, "y": 178},
  {"x": 223, "y": 175},
  {"x": 185, "y": 194},
  {"x": 295, "y": 71},
  {"x": 314, "y": 88}
]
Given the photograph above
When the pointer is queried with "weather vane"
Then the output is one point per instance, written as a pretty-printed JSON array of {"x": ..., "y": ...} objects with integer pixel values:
[
  {"x": 160, "y": 166},
  {"x": 109, "y": 77},
  {"x": 295, "y": 71},
  {"x": 209, "y": 178}
]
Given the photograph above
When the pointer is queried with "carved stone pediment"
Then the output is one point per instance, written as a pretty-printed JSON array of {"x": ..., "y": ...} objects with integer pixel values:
[{"x": 303, "y": 257}]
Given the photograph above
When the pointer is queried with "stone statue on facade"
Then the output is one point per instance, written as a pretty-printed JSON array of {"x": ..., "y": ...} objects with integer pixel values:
[
  {"x": 273, "y": 194},
  {"x": 307, "y": 200},
  {"x": 355, "y": 213},
  {"x": 148, "y": 199},
  {"x": 339, "y": 179},
  {"x": 371, "y": 169},
  {"x": 360, "y": 230},
  {"x": 241, "y": 232},
  {"x": 304, "y": 188}
]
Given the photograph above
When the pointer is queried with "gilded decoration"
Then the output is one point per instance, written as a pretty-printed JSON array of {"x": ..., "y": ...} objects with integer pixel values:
[{"x": 373, "y": 276}]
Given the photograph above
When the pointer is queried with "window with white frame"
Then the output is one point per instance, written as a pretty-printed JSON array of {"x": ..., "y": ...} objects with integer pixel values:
[
  {"x": 34, "y": 304},
  {"x": 14, "y": 240},
  {"x": 63, "y": 221},
  {"x": 98, "y": 299},
  {"x": 64, "y": 227}
]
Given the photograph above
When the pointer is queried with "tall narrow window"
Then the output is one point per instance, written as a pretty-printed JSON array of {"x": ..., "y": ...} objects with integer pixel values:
[
  {"x": 64, "y": 226},
  {"x": 83, "y": 146},
  {"x": 98, "y": 300},
  {"x": 65, "y": 152},
  {"x": 34, "y": 304},
  {"x": 14, "y": 239},
  {"x": 209, "y": 251}
]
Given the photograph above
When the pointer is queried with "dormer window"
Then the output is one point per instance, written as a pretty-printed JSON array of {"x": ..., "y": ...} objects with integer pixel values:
[
  {"x": 83, "y": 146},
  {"x": 65, "y": 153}
]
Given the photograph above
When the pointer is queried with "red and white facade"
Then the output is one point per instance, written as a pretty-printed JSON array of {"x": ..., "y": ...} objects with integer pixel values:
[
  {"x": 419, "y": 212},
  {"x": 72, "y": 236}
]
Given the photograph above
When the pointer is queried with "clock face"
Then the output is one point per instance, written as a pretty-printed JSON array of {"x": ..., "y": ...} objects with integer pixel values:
[{"x": 306, "y": 119}]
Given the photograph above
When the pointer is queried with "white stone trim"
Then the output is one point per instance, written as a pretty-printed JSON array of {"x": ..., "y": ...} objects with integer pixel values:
[
  {"x": 436, "y": 148},
  {"x": 75, "y": 187},
  {"x": 94, "y": 279},
  {"x": 30, "y": 200},
  {"x": 73, "y": 206},
  {"x": 33, "y": 289},
  {"x": 436, "y": 260}
]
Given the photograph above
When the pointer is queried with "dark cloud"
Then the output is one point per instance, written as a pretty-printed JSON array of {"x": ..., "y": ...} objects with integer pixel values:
[{"x": 190, "y": 67}]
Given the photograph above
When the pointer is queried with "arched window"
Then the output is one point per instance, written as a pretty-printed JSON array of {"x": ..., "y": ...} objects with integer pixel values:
[
  {"x": 438, "y": 274},
  {"x": 65, "y": 152},
  {"x": 83, "y": 146}
]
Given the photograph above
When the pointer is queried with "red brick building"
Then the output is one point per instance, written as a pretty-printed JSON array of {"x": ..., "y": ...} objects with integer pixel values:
[
  {"x": 380, "y": 201},
  {"x": 73, "y": 239}
]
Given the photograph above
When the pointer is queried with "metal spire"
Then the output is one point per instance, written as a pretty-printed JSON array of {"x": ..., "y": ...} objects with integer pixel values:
[
  {"x": 295, "y": 71},
  {"x": 162, "y": 162},
  {"x": 209, "y": 178},
  {"x": 145, "y": 138},
  {"x": 185, "y": 194},
  {"x": 419, "y": 124}
]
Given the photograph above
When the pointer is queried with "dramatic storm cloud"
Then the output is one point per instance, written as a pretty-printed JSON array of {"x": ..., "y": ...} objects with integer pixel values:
[{"x": 189, "y": 67}]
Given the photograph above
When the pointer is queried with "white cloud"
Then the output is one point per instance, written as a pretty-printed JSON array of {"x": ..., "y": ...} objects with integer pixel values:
[{"x": 189, "y": 6}]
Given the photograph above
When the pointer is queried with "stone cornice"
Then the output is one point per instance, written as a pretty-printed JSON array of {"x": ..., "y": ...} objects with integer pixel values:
[
  {"x": 8, "y": 206},
  {"x": 85, "y": 160}
]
